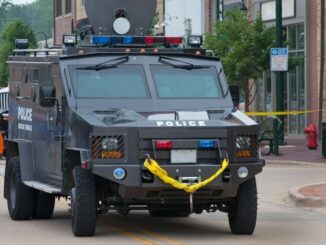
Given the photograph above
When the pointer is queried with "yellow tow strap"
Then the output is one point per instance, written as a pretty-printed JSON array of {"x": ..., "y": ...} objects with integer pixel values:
[{"x": 155, "y": 169}]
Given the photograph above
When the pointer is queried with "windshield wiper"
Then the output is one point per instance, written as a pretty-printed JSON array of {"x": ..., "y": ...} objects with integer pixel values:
[
  {"x": 103, "y": 66},
  {"x": 186, "y": 65}
]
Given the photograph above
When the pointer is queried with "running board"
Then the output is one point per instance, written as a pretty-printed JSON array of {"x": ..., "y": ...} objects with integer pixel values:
[{"x": 43, "y": 187}]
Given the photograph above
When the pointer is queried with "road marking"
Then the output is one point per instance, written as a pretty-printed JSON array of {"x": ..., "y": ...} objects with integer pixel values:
[
  {"x": 128, "y": 234},
  {"x": 148, "y": 232}
]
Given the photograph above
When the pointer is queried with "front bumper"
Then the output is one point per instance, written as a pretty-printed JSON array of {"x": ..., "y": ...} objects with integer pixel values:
[{"x": 134, "y": 186}]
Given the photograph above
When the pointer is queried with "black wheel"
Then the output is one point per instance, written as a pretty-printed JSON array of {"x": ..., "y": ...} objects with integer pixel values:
[
  {"x": 44, "y": 205},
  {"x": 84, "y": 208},
  {"x": 21, "y": 198},
  {"x": 181, "y": 213},
  {"x": 159, "y": 212},
  {"x": 243, "y": 210}
]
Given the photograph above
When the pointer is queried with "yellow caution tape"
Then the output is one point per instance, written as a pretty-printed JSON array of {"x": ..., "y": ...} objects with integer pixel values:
[
  {"x": 155, "y": 169},
  {"x": 279, "y": 113}
]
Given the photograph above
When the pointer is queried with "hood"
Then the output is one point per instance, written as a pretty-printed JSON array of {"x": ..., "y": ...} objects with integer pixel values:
[{"x": 127, "y": 118}]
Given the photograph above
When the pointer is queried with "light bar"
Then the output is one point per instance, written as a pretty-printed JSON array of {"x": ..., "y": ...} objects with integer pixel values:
[
  {"x": 207, "y": 144},
  {"x": 163, "y": 144},
  {"x": 148, "y": 40}
]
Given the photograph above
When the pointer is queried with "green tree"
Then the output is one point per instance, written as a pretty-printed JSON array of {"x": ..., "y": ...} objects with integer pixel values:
[
  {"x": 13, "y": 31},
  {"x": 188, "y": 31},
  {"x": 244, "y": 49},
  {"x": 155, "y": 21},
  {"x": 38, "y": 15},
  {"x": 4, "y": 5}
]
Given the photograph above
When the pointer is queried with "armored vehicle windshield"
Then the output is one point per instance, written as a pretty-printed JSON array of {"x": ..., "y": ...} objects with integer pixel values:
[{"x": 135, "y": 81}]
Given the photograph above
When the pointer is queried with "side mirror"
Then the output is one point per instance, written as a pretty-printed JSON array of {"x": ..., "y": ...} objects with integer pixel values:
[
  {"x": 47, "y": 96},
  {"x": 235, "y": 94}
]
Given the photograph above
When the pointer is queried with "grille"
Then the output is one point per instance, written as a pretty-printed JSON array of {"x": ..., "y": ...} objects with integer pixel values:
[
  {"x": 246, "y": 146},
  {"x": 97, "y": 149}
]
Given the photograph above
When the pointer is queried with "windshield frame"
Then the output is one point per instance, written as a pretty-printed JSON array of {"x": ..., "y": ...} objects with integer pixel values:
[{"x": 150, "y": 104}]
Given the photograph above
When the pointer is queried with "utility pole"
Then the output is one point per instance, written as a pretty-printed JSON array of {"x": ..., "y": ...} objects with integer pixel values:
[{"x": 279, "y": 74}]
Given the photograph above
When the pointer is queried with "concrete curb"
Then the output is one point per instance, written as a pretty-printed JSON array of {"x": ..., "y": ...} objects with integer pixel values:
[
  {"x": 295, "y": 162},
  {"x": 302, "y": 201}
]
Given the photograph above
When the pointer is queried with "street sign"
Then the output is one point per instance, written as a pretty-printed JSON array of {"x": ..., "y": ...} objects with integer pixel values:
[{"x": 279, "y": 59}]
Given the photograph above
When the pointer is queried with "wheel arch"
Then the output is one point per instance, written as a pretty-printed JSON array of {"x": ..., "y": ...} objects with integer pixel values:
[{"x": 72, "y": 157}]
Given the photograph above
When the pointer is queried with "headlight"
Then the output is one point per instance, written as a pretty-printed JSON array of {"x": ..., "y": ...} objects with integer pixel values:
[
  {"x": 110, "y": 144},
  {"x": 243, "y": 142},
  {"x": 243, "y": 172},
  {"x": 110, "y": 147},
  {"x": 246, "y": 146}
]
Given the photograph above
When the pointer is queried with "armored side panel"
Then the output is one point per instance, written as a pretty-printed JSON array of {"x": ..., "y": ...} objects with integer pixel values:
[{"x": 102, "y": 15}]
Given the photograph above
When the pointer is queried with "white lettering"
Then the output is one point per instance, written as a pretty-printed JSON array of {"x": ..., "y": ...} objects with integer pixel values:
[
  {"x": 25, "y": 114},
  {"x": 202, "y": 123},
  {"x": 181, "y": 123},
  {"x": 21, "y": 126},
  {"x": 160, "y": 124},
  {"x": 25, "y": 127},
  {"x": 192, "y": 124}
]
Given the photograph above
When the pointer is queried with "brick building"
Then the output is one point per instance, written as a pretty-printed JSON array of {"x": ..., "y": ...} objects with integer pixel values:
[
  {"x": 305, "y": 39},
  {"x": 302, "y": 83},
  {"x": 64, "y": 16}
]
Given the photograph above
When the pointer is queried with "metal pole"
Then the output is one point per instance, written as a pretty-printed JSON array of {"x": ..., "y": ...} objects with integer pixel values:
[
  {"x": 219, "y": 10},
  {"x": 279, "y": 74}
]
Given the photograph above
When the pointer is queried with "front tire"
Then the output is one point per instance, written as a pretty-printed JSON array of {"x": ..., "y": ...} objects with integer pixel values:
[
  {"x": 243, "y": 210},
  {"x": 84, "y": 208},
  {"x": 21, "y": 198}
]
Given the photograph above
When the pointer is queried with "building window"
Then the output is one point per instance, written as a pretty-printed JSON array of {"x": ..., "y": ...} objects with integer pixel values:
[
  {"x": 58, "y": 7},
  {"x": 68, "y": 6},
  {"x": 294, "y": 85},
  {"x": 268, "y": 9}
]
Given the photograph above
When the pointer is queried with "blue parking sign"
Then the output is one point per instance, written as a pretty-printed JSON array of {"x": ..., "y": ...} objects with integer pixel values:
[{"x": 279, "y": 59}]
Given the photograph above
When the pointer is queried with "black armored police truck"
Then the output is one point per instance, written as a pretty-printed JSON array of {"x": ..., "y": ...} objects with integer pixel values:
[{"x": 117, "y": 120}]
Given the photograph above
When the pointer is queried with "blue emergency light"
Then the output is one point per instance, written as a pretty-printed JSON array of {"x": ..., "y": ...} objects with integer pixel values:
[
  {"x": 207, "y": 144},
  {"x": 147, "y": 40}
]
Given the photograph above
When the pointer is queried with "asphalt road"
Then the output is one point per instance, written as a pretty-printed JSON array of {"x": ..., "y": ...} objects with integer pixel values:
[{"x": 278, "y": 221}]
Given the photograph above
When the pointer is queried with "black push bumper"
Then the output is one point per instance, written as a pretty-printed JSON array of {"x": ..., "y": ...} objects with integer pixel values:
[{"x": 136, "y": 185}]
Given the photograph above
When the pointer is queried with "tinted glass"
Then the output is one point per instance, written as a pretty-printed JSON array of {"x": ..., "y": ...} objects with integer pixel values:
[
  {"x": 126, "y": 81},
  {"x": 181, "y": 83}
]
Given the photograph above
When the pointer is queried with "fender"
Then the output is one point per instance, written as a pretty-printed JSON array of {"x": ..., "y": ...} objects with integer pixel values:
[{"x": 72, "y": 157}]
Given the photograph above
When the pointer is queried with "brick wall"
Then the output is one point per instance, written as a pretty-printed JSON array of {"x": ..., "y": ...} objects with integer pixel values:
[
  {"x": 209, "y": 19},
  {"x": 160, "y": 10},
  {"x": 323, "y": 119},
  {"x": 64, "y": 23}
]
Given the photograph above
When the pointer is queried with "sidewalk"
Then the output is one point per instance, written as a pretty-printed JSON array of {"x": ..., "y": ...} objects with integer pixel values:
[{"x": 297, "y": 152}]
